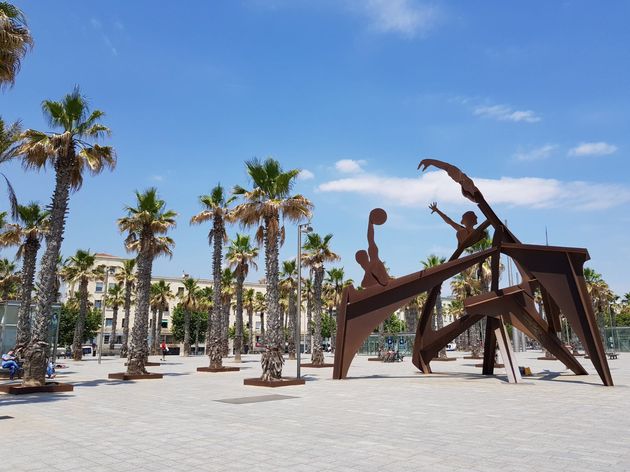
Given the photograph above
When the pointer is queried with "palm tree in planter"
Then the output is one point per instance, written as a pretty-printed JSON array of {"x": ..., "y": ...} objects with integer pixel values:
[
  {"x": 317, "y": 253},
  {"x": 216, "y": 208},
  {"x": 80, "y": 269},
  {"x": 30, "y": 227},
  {"x": 264, "y": 204},
  {"x": 126, "y": 277},
  {"x": 144, "y": 225},
  {"x": 240, "y": 255},
  {"x": 71, "y": 152},
  {"x": 162, "y": 295},
  {"x": 115, "y": 298},
  {"x": 190, "y": 303},
  {"x": 288, "y": 284},
  {"x": 227, "y": 292},
  {"x": 249, "y": 296},
  {"x": 15, "y": 42}
]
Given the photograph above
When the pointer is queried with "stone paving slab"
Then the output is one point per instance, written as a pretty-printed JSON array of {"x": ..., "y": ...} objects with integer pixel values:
[{"x": 384, "y": 416}]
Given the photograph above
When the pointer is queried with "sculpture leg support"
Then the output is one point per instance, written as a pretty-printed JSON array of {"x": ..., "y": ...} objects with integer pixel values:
[{"x": 507, "y": 354}]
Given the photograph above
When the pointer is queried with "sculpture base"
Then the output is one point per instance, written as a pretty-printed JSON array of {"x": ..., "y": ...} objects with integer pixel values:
[
  {"x": 496, "y": 366},
  {"x": 125, "y": 376},
  {"x": 50, "y": 387},
  {"x": 443, "y": 359},
  {"x": 148, "y": 364},
  {"x": 473, "y": 357},
  {"x": 283, "y": 382},
  {"x": 316, "y": 366},
  {"x": 543, "y": 358},
  {"x": 220, "y": 369},
  {"x": 375, "y": 359}
]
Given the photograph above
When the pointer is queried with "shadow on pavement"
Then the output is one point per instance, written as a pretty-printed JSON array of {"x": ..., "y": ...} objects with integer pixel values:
[{"x": 8, "y": 400}]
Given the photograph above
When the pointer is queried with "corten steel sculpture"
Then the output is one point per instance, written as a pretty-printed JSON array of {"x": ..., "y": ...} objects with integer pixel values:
[{"x": 556, "y": 271}]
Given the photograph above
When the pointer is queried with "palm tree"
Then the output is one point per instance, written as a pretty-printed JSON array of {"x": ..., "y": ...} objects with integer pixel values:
[
  {"x": 317, "y": 253},
  {"x": 115, "y": 298},
  {"x": 190, "y": 303},
  {"x": 288, "y": 284},
  {"x": 70, "y": 152},
  {"x": 161, "y": 296},
  {"x": 127, "y": 278},
  {"x": 206, "y": 295},
  {"x": 8, "y": 279},
  {"x": 215, "y": 209},
  {"x": 248, "y": 301},
  {"x": 143, "y": 224},
  {"x": 335, "y": 279},
  {"x": 433, "y": 261},
  {"x": 263, "y": 206},
  {"x": 308, "y": 292},
  {"x": 15, "y": 42},
  {"x": 80, "y": 269},
  {"x": 27, "y": 232},
  {"x": 227, "y": 292},
  {"x": 240, "y": 256},
  {"x": 260, "y": 305}
]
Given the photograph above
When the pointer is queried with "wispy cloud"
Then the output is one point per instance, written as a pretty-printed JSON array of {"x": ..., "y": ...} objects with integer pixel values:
[
  {"x": 97, "y": 25},
  {"x": 532, "y": 192},
  {"x": 350, "y": 166},
  {"x": 506, "y": 113},
  {"x": 535, "y": 154},
  {"x": 407, "y": 18},
  {"x": 593, "y": 149},
  {"x": 157, "y": 178},
  {"x": 306, "y": 174}
]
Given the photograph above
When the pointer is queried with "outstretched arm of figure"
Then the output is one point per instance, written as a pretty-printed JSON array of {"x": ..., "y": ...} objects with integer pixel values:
[
  {"x": 447, "y": 220},
  {"x": 372, "y": 247}
]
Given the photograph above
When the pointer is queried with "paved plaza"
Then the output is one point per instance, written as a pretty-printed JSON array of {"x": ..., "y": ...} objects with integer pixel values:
[{"x": 383, "y": 417}]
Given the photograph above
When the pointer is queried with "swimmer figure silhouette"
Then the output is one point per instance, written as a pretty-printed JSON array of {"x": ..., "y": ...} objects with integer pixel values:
[{"x": 375, "y": 271}]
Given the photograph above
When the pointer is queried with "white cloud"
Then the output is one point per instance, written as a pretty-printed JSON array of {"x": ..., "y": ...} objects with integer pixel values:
[
  {"x": 306, "y": 174},
  {"x": 529, "y": 192},
  {"x": 96, "y": 24},
  {"x": 157, "y": 178},
  {"x": 350, "y": 166},
  {"x": 505, "y": 113},
  {"x": 593, "y": 149},
  {"x": 535, "y": 154},
  {"x": 404, "y": 17}
]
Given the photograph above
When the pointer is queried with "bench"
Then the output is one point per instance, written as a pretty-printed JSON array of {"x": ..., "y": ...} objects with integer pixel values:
[
  {"x": 4, "y": 373},
  {"x": 612, "y": 355}
]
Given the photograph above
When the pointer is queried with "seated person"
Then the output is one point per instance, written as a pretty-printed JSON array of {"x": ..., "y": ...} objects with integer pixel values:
[{"x": 9, "y": 362}]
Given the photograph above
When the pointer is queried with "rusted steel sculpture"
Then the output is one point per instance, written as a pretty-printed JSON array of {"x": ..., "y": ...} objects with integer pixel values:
[{"x": 556, "y": 271}]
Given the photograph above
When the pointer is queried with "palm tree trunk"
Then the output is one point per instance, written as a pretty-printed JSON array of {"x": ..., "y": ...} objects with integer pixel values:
[
  {"x": 112, "y": 336},
  {"x": 272, "y": 359},
  {"x": 214, "y": 346},
  {"x": 186, "y": 352},
  {"x": 158, "y": 332},
  {"x": 292, "y": 315},
  {"x": 238, "y": 331},
  {"x": 79, "y": 328},
  {"x": 309, "y": 323},
  {"x": 250, "y": 320},
  {"x": 225, "y": 327},
  {"x": 35, "y": 354},
  {"x": 124, "y": 349},
  {"x": 138, "y": 351},
  {"x": 151, "y": 336},
  {"x": 317, "y": 355},
  {"x": 440, "y": 320},
  {"x": 31, "y": 246},
  {"x": 262, "y": 328}
]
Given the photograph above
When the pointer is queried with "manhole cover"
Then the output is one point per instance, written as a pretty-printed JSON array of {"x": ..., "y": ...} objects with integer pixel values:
[{"x": 257, "y": 399}]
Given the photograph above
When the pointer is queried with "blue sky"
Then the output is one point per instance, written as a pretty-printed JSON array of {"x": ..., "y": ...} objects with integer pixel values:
[{"x": 530, "y": 99}]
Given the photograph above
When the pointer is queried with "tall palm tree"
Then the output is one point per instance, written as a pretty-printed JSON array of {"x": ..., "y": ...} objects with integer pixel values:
[
  {"x": 126, "y": 277},
  {"x": 10, "y": 136},
  {"x": 227, "y": 292},
  {"x": 264, "y": 204},
  {"x": 8, "y": 279},
  {"x": 30, "y": 227},
  {"x": 317, "y": 253},
  {"x": 115, "y": 298},
  {"x": 190, "y": 303},
  {"x": 248, "y": 302},
  {"x": 288, "y": 285},
  {"x": 71, "y": 152},
  {"x": 216, "y": 208},
  {"x": 336, "y": 279},
  {"x": 144, "y": 224},
  {"x": 15, "y": 42},
  {"x": 80, "y": 269},
  {"x": 433, "y": 261},
  {"x": 307, "y": 289},
  {"x": 206, "y": 295},
  {"x": 162, "y": 295},
  {"x": 240, "y": 256}
]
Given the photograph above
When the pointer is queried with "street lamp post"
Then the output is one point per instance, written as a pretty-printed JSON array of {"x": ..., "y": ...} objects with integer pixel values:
[
  {"x": 306, "y": 228},
  {"x": 106, "y": 288}
]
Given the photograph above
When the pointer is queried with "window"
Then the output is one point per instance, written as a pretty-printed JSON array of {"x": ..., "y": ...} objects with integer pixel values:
[
  {"x": 99, "y": 287},
  {"x": 106, "y": 339},
  {"x": 98, "y": 304},
  {"x": 180, "y": 291},
  {"x": 111, "y": 285},
  {"x": 165, "y": 324},
  {"x": 108, "y": 322},
  {"x": 123, "y": 322},
  {"x": 257, "y": 324}
]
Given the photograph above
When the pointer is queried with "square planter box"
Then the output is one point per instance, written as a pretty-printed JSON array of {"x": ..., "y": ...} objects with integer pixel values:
[
  {"x": 125, "y": 376},
  {"x": 50, "y": 387},
  {"x": 222, "y": 369},
  {"x": 283, "y": 382}
]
